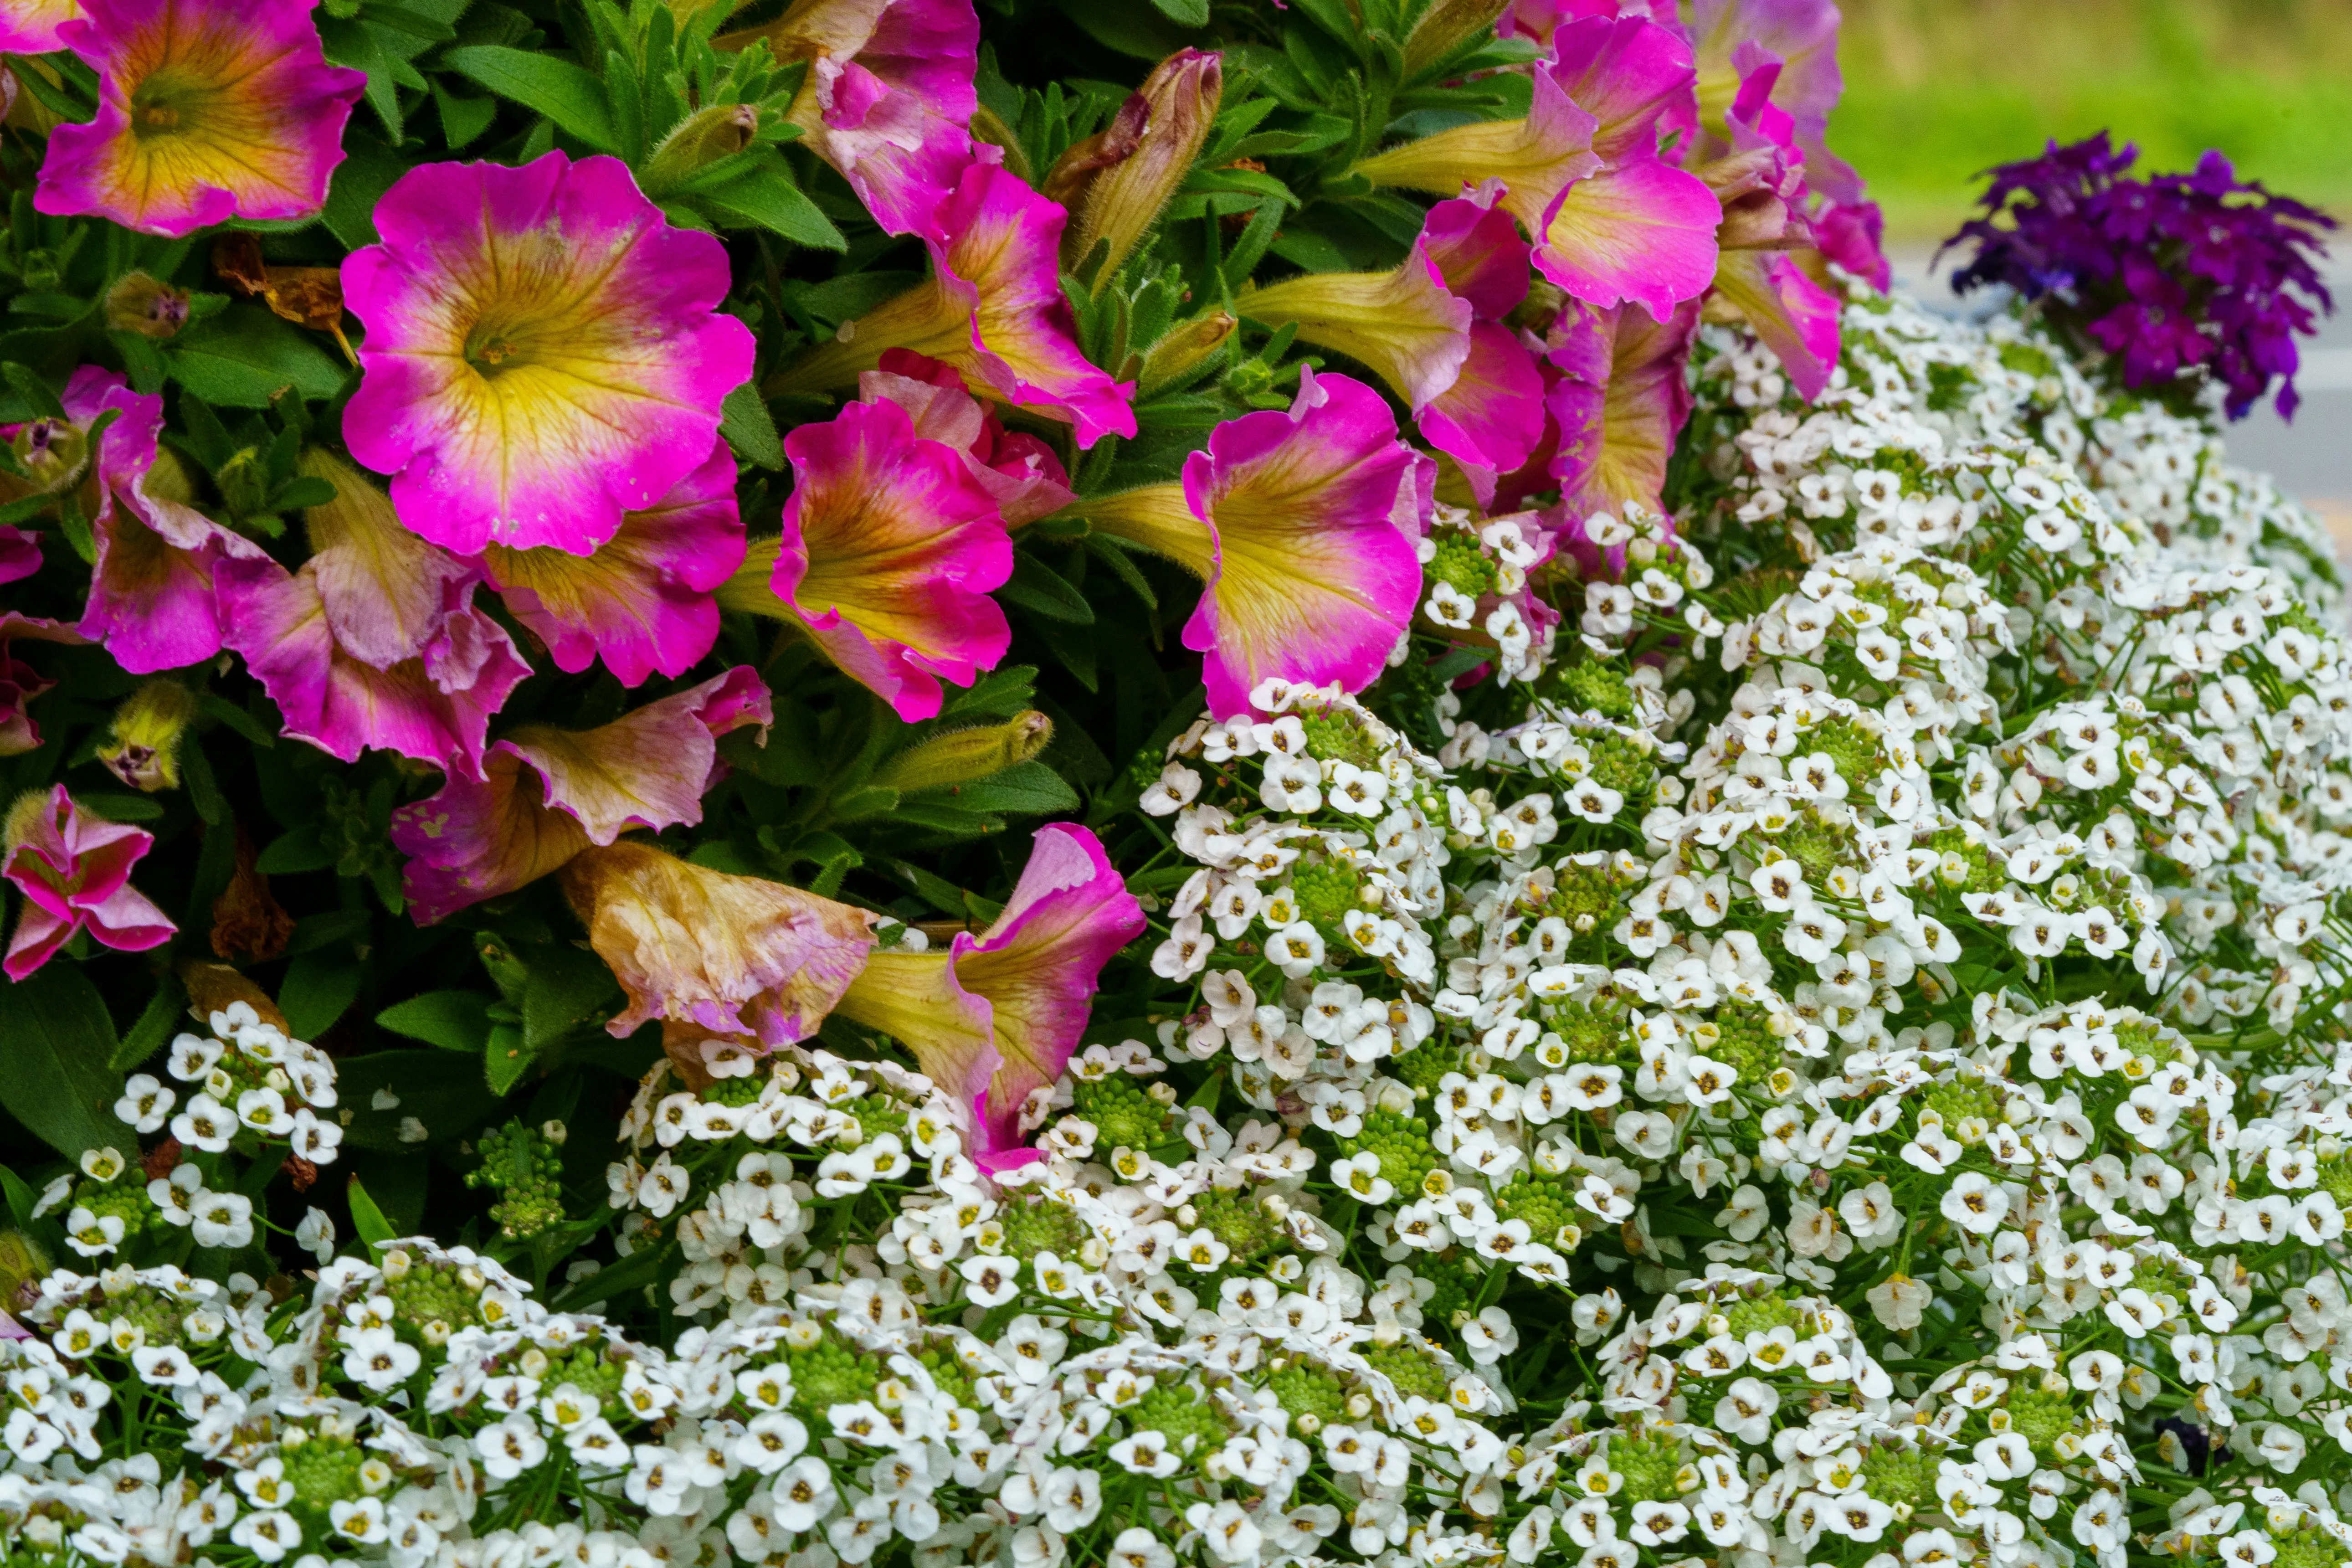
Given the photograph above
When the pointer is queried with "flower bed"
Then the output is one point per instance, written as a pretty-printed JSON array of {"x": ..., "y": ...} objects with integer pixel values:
[{"x": 1223, "y": 787}]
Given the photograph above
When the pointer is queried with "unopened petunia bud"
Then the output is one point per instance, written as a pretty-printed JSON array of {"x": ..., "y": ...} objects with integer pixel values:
[
  {"x": 52, "y": 452},
  {"x": 1121, "y": 200},
  {"x": 966, "y": 756},
  {"x": 144, "y": 751},
  {"x": 1183, "y": 349},
  {"x": 147, "y": 306},
  {"x": 700, "y": 140},
  {"x": 1444, "y": 27}
]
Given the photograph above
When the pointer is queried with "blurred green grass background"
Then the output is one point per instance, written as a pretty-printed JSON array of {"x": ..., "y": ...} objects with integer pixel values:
[{"x": 1939, "y": 90}]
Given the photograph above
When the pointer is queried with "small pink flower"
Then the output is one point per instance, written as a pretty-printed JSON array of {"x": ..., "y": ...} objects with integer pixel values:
[
  {"x": 996, "y": 1018},
  {"x": 992, "y": 308},
  {"x": 476, "y": 839},
  {"x": 374, "y": 642},
  {"x": 1305, "y": 525},
  {"x": 888, "y": 552},
  {"x": 74, "y": 873},
  {"x": 207, "y": 110},
  {"x": 544, "y": 352},
  {"x": 887, "y": 98},
  {"x": 642, "y": 601}
]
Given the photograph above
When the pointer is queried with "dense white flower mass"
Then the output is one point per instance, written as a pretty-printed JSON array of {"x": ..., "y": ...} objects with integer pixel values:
[{"x": 1837, "y": 1054}]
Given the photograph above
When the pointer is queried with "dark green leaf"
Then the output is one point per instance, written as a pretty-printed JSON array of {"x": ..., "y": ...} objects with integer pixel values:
[
  {"x": 367, "y": 1219},
  {"x": 1007, "y": 691},
  {"x": 638, "y": 1270},
  {"x": 1037, "y": 587},
  {"x": 1028, "y": 789},
  {"x": 505, "y": 1059},
  {"x": 367, "y": 171},
  {"x": 868, "y": 802},
  {"x": 320, "y": 987},
  {"x": 544, "y": 84},
  {"x": 299, "y": 850},
  {"x": 153, "y": 1027},
  {"x": 32, "y": 392},
  {"x": 55, "y": 1042},
  {"x": 454, "y": 1020},
  {"x": 1186, "y": 13},
  {"x": 118, "y": 807},
  {"x": 764, "y": 196},
  {"x": 449, "y": 1105},
  {"x": 462, "y": 119},
  {"x": 244, "y": 356},
  {"x": 565, "y": 986},
  {"x": 744, "y": 420}
]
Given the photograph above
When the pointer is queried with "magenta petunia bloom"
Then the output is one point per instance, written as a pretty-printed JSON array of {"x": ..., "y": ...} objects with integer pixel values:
[
  {"x": 1795, "y": 318},
  {"x": 1492, "y": 417},
  {"x": 20, "y": 554},
  {"x": 1803, "y": 34},
  {"x": 544, "y": 352},
  {"x": 30, "y": 26},
  {"x": 1017, "y": 469},
  {"x": 374, "y": 642},
  {"x": 992, "y": 308},
  {"x": 150, "y": 593},
  {"x": 207, "y": 110},
  {"x": 888, "y": 552},
  {"x": 995, "y": 1017},
  {"x": 20, "y": 682},
  {"x": 888, "y": 97},
  {"x": 1305, "y": 525},
  {"x": 1536, "y": 158},
  {"x": 1852, "y": 235},
  {"x": 643, "y": 600},
  {"x": 547, "y": 794},
  {"x": 74, "y": 873},
  {"x": 1405, "y": 324},
  {"x": 1619, "y": 403},
  {"x": 1637, "y": 228}
]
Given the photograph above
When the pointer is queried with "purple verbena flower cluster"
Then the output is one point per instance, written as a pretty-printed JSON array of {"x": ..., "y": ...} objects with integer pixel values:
[{"x": 2170, "y": 274}]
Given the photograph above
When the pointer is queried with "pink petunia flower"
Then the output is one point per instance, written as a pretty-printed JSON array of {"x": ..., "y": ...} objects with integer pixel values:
[
  {"x": 544, "y": 352},
  {"x": 1638, "y": 227},
  {"x": 1761, "y": 179},
  {"x": 1802, "y": 34},
  {"x": 1017, "y": 469},
  {"x": 997, "y": 1017},
  {"x": 20, "y": 554},
  {"x": 1305, "y": 526},
  {"x": 1619, "y": 403},
  {"x": 20, "y": 682},
  {"x": 374, "y": 642},
  {"x": 546, "y": 794},
  {"x": 992, "y": 308},
  {"x": 642, "y": 601},
  {"x": 207, "y": 110},
  {"x": 1492, "y": 417},
  {"x": 1535, "y": 158},
  {"x": 734, "y": 955},
  {"x": 888, "y": 552},
  {"x": 888, "y": 97},
  {"x": 150, "y": 593},
  {"x": 74, "y": 873},
  {"x": 30, "y": 26}
]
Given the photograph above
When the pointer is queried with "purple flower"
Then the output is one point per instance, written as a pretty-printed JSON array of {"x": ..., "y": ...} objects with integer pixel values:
[{"x": 2173, "y": 274}]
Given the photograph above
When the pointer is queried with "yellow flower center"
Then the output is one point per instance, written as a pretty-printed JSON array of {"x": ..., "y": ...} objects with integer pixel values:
[{"x": 165, "y": 105}]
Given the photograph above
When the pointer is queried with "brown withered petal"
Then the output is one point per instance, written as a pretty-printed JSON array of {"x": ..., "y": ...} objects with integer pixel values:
[
  {"x": 250, "y": 925},
  {"x": 307, "y": 296},
  {"x": 212, "y": 987},
  {"x": 1075, "y": 170}
]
